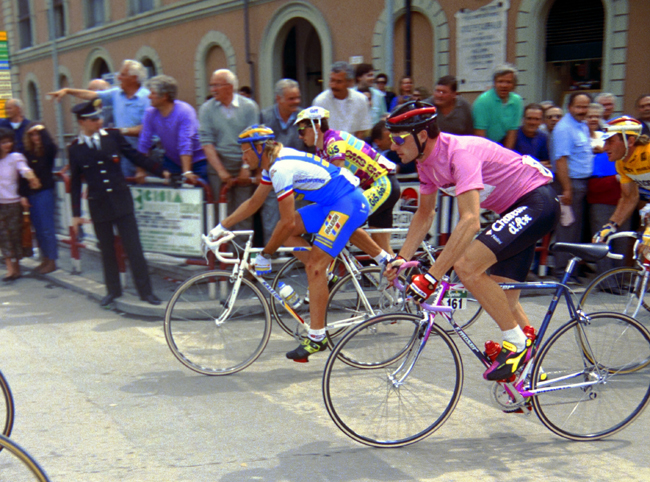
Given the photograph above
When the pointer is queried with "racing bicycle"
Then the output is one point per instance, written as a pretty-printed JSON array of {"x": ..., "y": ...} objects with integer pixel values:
[{"x": 588, "y": 380}]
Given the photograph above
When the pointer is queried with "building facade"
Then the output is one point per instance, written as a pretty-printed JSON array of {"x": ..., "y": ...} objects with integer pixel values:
[{"x": 557, "y": 45}]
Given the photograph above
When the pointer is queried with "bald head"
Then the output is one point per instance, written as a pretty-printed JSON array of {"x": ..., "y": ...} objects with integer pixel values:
[{"x": 98, "y": 84}]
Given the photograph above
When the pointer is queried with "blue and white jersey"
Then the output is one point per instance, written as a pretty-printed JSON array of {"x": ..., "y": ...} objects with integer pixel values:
[{"x": 310, "y": 176}]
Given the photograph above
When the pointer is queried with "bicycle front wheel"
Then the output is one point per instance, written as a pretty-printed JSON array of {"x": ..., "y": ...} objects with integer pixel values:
[
  {"x": 619, "y": 290},
  {"x": 17, "y": 465},
  {"x": 216, "y": 326},
  {"x": 402, "y": 394},
  {"x": 6, "y": 407},
  {"x": 593, "y": 377}
]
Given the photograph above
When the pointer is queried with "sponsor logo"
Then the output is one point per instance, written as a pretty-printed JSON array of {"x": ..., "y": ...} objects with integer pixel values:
[{"x": 333, "y": 225}]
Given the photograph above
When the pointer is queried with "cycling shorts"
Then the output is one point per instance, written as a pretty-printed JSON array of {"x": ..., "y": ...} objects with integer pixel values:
[
  {"x": 513, "y": 237},
  {"x": 334, "y": 224},
  {"x": 382, "y": 213}
]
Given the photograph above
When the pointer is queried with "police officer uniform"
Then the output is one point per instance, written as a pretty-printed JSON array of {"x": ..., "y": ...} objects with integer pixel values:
[{"x": 97, "y": 160}]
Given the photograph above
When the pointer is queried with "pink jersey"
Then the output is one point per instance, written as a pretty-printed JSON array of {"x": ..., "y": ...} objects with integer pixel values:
[{"x": 462, "y": 163}]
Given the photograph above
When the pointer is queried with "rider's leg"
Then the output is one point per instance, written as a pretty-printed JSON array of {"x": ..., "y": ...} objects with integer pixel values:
[
  {"x": 316, "y": 269},
  {"x": 383, "y": 241},
  {"x": 296, "y": 239},
  {"x": 513, "y": 301},
  {"x": 364, "y": 242}
]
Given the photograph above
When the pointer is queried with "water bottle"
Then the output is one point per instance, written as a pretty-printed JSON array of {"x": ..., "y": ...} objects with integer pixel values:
[
  {"x": 492, "y": 349},
  {"x": 529, "y": 331},
  {"x": 289, "y": 295}
]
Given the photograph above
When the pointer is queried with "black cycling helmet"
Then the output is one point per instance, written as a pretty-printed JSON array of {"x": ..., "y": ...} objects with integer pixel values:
[{"x": 412, "y": 117}]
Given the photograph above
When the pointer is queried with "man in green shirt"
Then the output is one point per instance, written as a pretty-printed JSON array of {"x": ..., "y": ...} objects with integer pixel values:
[{"x": 497, "y": 112}]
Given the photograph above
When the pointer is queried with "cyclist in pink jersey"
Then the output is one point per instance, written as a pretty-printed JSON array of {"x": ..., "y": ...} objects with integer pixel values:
[{"x": 480, "y": 174}]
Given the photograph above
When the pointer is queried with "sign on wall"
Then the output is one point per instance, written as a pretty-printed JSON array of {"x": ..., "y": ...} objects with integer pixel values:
[
  {"x": 5, "y": 74},
  {"x": 169, "y": 220},
  {"x": 480, "y": 44}
]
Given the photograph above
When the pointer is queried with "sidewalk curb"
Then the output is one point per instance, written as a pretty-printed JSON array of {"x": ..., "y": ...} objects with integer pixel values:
[{"x": 76, "y": 282}]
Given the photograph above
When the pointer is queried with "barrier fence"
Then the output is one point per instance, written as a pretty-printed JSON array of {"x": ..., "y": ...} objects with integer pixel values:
[{"x": 195, "y": 207}]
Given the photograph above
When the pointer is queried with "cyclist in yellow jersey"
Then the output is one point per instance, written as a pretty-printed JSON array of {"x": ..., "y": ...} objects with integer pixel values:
[
  {"x": 630, "y": 150},
  {"x": 377, "y": 175}
]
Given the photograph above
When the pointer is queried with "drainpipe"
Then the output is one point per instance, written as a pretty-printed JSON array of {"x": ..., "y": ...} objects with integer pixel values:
[
  {"x": 55, "y": 65},
  {"x": 390, "y": 43},
  {"x": 251, "y": 65},
  {"x": 407, "y": 39}
]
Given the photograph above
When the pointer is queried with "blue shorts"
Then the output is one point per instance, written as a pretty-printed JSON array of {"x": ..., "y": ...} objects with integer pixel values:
[{"x": 335, "y": 223}]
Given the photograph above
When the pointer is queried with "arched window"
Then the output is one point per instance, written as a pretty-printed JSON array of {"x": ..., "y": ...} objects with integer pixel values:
[
  {"x": 575, "y": 33},
  {"x": 302, "y": 58},
  {"x": 150, "y": 66},
  {"x": 33, "y": 107},
  {"x": 100, "y": 69}
]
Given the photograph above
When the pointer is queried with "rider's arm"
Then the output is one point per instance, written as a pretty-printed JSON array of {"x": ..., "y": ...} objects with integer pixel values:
[
  {"x": 248, "y": 207},
  {"x": 463, "y": 234},
  {"x": 285, "y": 225},
  {"x": 480, "y": 133},
  {"x": 420, "y": 225},
  {"x": 626, "y": 203}
]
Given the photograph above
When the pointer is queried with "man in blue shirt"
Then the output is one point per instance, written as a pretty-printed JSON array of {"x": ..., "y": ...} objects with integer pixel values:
[
  {"x": 129, "y": 102},
  {"x": 530, "y": 139},
  {"x": 572, "y": 163}
]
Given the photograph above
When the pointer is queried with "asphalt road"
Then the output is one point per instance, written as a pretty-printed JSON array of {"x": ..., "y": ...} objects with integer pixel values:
[{"x": 99, "y": 397}]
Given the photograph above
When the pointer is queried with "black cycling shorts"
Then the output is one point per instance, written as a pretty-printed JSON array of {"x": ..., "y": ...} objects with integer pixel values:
[
  {"x": 513, "y": 237},
  {"x": 383, "y": 216}
]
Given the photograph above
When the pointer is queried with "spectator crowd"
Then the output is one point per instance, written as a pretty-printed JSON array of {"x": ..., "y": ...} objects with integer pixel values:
[{"x": 149, "y": 127}]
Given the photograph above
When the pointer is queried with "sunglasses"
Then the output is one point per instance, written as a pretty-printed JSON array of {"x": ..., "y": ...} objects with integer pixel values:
[
  {"x": 399, "y": 139},
  {"x": 301, "y": 130}
]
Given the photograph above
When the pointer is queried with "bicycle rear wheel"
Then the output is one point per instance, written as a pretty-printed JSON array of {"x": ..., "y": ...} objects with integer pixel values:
[
  {"x": 398, "y": 397},
  {"x": 348, "y": 306},
  {"x": 292, "y": 273},
  {"x": 618, "y": 290},
  {"x": 597, "y": 374},
  {"x": 6, "y": 407},
  {"x": 17, "y": 465},
  {"x": 204, "y": 337}
]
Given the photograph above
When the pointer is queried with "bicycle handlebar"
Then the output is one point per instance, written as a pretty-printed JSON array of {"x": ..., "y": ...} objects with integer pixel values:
[
  {"x": 216, "y": 244},
  {"x": 623, "y": 234}
]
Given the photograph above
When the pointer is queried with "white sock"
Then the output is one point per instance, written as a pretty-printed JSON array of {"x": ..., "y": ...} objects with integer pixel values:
[
  {"x": 317, "y": 335},
  {"x": 382, "y": 257},
  {"x": 516, "y": 336}
]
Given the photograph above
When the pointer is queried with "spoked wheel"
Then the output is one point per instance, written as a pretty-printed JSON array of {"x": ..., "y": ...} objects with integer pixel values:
[
  {"x": 619, "y": 290},
  {"x": 6, "y": 407},
  {"x": 400, "y": 396},
  {"x": 207, "y": 338},
  {"x": 16, "y": 464},
  {"x": 597, "y": 376},
  {"x": 292, "y": 273},
  {"x": 353, "y": 300}
]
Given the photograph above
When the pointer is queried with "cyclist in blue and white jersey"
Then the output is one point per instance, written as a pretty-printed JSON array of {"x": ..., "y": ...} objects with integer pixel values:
[{"x": 339, "y": 209}]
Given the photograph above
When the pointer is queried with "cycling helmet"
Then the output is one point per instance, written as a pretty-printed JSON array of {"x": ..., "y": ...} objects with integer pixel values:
[
  {"x": 626, "y": 126},
  {"x": 623, "y": 125},
  {"x": 256, "y": 134},
  {"x": 311, "y": 114},
  {"x": 412, "y": 116}
]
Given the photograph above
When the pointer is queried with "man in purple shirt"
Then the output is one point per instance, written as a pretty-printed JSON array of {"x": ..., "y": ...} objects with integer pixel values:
[{"x": 175, "y": 123}]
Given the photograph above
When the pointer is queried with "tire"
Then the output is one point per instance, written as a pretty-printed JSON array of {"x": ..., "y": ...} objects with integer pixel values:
[
  {"x": 364, "y": 402},
  {"x": 612, "y": 352},
  {"x": 207, "y": 345},
  {"x": 19, "y": 464},
  {"x": 6, "y": 407},
  {"x": 293, "y": 274},
  {"x": 346, "y": 307},
  {"x": 618, "y": 290}
]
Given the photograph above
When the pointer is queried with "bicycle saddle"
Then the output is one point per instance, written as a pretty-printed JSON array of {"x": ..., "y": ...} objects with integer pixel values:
[{"x": 586, "y": 251}]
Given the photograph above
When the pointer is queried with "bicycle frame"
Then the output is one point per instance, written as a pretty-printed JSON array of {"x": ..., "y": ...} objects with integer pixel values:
[
  {"x": 518, "y": 389},
  {"x": 243, "y": 266}
]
